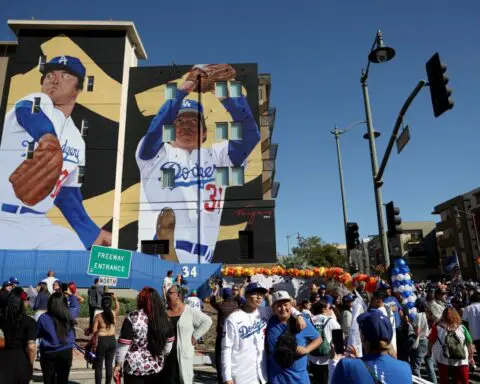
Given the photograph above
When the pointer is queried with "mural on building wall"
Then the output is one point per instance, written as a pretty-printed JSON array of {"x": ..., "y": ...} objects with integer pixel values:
[
  {"x": 49, "y": 199},
  {"x": 165, "y": 122}
]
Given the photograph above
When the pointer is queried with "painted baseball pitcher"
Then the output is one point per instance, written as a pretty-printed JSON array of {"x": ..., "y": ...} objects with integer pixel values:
[
  {"x": 177, "y": 205},
  {"x": 40, "y": 155}
]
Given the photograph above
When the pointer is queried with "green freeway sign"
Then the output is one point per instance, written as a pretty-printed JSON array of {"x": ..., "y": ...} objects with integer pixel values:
[{"x": 111, "y": 262}]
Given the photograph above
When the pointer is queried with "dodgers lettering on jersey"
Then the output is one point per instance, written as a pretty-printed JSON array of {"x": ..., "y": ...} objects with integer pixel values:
[
  {"x": 183, "y": 197},
  {"x": 17, "y": 138},
  {"x": 245, "y": 331}
]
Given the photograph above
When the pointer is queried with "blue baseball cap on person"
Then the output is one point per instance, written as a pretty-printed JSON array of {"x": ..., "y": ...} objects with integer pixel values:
[
  {"x": 227, "y": 293},
  {"x": 67, "y": 63},
  {"x": 322, "y": 286},
  {"x": 6, "y": 284},
  {"x": 383, "y": 285},
  {"x": 375, "y": 326},
  {"x": 328, "y": 299},
  {"x": 255, "y": 287},
  {"x": 190, "y": 106},
  {"x": 348, "y": 298},
  {"x": 13, "y": 280}
]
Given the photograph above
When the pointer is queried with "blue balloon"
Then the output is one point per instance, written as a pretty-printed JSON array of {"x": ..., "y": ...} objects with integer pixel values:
[
  {"x": 403, "y": 269},
  {"x": 399, "y": 262},
  {"x": 410, "y": 305},
  {"x": 407, "y": 294},
  {"x": 395, "y": 271},
  {"x": 396, "y": 284}
]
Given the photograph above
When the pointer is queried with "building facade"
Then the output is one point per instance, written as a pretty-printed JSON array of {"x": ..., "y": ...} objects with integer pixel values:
[
  {"x": 132, "y": 177},
  {"x": 417, "y": 244},
  {"x": 458, "y": 231}
]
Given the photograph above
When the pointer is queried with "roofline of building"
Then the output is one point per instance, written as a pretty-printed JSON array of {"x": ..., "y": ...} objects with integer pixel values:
[
  {"x": 128, "y": 26},
  {"x": 8, "y": 42}
]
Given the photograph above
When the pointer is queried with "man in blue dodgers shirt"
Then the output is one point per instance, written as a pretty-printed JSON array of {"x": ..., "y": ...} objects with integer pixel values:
[
  {"x": 376, "y": 365},
  {"x": 61, "y": 83},
  {"x": 307, "y": 340},
  {"x": 177, "y": 206}
]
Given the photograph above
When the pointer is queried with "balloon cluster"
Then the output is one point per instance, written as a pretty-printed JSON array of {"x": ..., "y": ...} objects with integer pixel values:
[{"x": 402, "y": 282}]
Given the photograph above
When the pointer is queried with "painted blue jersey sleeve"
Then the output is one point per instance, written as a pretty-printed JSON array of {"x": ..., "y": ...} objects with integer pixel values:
[
  {"x": 239, "y": 109},
  {"x": 36, "y": 124},
  {"x": 153, "y": 140},
  {"x": 70, "y": 202}
]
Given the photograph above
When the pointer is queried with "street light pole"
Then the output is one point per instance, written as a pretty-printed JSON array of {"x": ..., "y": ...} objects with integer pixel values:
[
  {"x": 373, "y": 159},
  {"x": 288, "y": 240},
  {"x": 379, "y": 53},
  {"x": 337, "y": 132}
]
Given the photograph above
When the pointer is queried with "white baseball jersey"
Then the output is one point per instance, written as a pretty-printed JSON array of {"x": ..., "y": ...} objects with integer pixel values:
[
  {"x": 21, "y": 128},
  {"x": 183, "y": 198},
  {"x": 243, "y": 346}
]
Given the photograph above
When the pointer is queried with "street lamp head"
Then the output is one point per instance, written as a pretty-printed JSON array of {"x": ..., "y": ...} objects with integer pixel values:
[{"x": 381, "y": 53}]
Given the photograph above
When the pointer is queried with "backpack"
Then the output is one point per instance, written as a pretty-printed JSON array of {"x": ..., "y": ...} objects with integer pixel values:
[
  {"x": 452, "y": 346},
  {"x": 285, "y": 352},
  {"x": 324, "y": 348}
]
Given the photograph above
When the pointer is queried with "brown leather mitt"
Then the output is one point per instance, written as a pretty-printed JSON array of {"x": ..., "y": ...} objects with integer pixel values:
[
  {"x": 35, "y": 178},
  {"x": 209, "y": 74}
]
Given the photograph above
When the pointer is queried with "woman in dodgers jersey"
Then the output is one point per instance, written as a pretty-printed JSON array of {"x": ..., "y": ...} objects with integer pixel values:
[
  {"x": 154, "y": 155},
  {"x": 61, "y": 83}
]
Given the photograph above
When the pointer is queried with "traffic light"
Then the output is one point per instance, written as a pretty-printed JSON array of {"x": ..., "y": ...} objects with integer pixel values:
[
  {"x": 352, "y": 236},
  {"x": 394, "y": 221},
  {"x": 438, "y": 80}
]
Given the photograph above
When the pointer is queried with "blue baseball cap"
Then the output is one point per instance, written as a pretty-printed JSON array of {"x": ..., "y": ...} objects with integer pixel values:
[
  {"x": 348, "y": 298},
  {"x": 13, "y": 280},
  {"x": 328, "y": 299},
  {"x": 227, "y": 293},
  {"x": 67, "y": 63},
  {"x": 375, "y": 326},
  {"x": 6, "y": 284},
  {"x": 190, "y": 106},
  {"x": 255, "y": 287},
  {"x": 383, "y": 285},
  {"x": 322, "y": 286}
]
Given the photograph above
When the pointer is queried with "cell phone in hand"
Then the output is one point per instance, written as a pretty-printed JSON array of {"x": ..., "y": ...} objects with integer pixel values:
[{"x": 337, "y": 341}]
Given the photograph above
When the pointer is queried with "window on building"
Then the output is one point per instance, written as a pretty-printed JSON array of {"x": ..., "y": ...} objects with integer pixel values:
[
  {"x": 168, "y": 133},
  {"x": 84, "y": 129},
  {"x": 237, "y": 176},
  {"x": 171, "y": 91},
  {"x": 235, "y": 89},
  {"x": 236, "y": 131},
  {"x": 221, "y": 89},
  {"x": 221, "y": 131},
  {"x": 260, "y": 94},
  {"x": 245, "y": 239},
  {"x": 221, "y": 176},
  {"x": 36, "y": 104},
  {"x": 41, "y": 62},
  {"x": 30, "y": 149},
  {"x": 81, "y": 174},
  {"x": 155, "y": 247},
  {"x": 477, "y": 199},
  {"x": 90, "y": 82},
  {"x": 168, "y": 178}
]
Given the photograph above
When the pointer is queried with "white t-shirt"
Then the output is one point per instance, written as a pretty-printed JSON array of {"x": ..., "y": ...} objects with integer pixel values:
[
  {"x": 471, "y": 314},
  {"x": 194, "y": 302},
  {"x": 167, "y": 283},
  {"x": 321, "y": 320},
  {"x": 50, "y": 280}
]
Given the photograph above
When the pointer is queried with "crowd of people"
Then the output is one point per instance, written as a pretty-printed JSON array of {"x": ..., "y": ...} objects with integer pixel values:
[{"x": 262, "y": 335}]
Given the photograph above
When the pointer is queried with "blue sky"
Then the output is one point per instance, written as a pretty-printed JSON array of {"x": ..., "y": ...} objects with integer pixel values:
[{"x": 315, "y": 51}]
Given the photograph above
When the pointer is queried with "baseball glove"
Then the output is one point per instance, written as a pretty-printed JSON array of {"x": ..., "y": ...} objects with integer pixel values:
[
  {"x": 35, "y": 178},
  {"x": 209, "y": 74}
]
